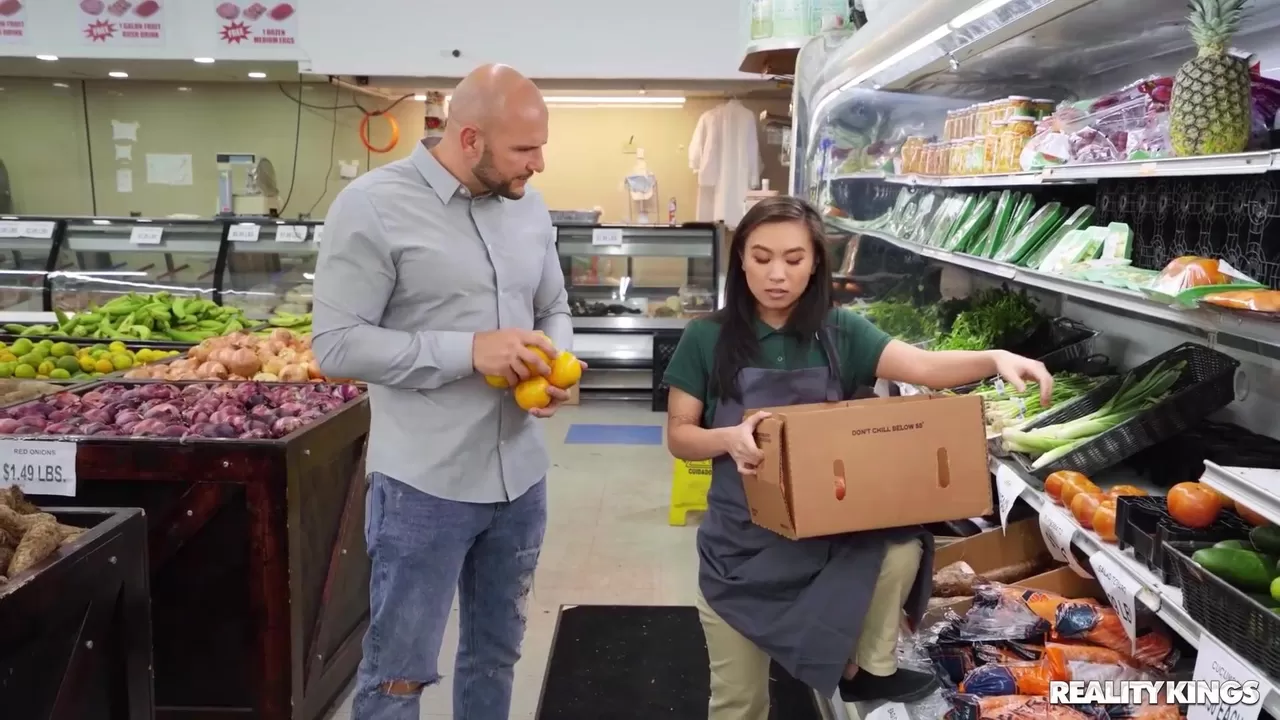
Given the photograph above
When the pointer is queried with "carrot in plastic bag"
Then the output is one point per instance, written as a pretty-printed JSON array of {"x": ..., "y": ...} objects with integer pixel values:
[
  {"x": 1045, "y": 604},
  {"x": 1158, "y": 711},
  {"x": 1009, "y": 707},
  {"x": 1023, "y": 678},
  {"x": 1080, "y": 620},
  {"x": 1082, "y": 652}
]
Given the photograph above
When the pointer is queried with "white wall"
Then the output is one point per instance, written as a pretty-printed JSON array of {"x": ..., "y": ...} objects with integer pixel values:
[{"x": 658, "y": 39}]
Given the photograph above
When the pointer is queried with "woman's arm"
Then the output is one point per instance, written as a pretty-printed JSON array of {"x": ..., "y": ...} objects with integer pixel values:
[
  {"x": 686, "y": 438},
  {"x": 949, "y": 368}
]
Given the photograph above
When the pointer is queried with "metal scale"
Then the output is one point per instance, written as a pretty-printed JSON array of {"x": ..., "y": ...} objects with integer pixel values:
[{"x": 247, "y": 186}]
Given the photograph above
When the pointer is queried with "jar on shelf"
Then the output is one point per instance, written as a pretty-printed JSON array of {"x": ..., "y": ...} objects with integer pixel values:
[
  {"x": 964, "y": 128},
  {"x": 1020, "y": 105},
  {"x": 982, "y": 119},
  {"x": 1019, "y": 131},
  {"x": 991, "y": 147},
  {"x": 912, "y": 154},
  {"x": 1043, "y": 108},
  {"x": 949, "y": 129},
  {"x": 977, "y": 151},
  {"x": 957, "y": 158},
  {"x": 929, "y": 159}
]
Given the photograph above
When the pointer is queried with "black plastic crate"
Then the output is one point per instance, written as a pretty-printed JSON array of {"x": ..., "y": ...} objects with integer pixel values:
[
  {"x": 1069, "y": 348},
  {"x": 664, "y": 346},
  {"x": 1232, "y": 617},
  {"x": 1144, "y": 524},
  {"x": 1206, "y": 385}
]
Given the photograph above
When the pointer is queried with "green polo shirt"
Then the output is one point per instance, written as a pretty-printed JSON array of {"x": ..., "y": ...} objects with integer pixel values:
[{"x": 858, "y": 343}]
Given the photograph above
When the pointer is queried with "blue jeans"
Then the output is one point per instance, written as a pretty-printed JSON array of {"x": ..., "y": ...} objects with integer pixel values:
[{"x": 422, "y": 547}]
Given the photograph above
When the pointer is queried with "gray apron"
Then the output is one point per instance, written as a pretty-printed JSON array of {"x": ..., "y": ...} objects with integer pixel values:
[{"x": 801, "y": 601}]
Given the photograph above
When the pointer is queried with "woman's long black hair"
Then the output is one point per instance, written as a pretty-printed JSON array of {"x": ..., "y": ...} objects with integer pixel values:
[{"x": 738, "y": 346}]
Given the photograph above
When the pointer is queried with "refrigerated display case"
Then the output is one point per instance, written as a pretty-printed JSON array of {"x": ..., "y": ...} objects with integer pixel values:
[
  {"x": 910, "y": 134},
  {"x": 26, "y": 246},
  {"x": 101, "y": 258},
  {"x": 631, "y": 290},
  {"x": 270, "y": 271}
]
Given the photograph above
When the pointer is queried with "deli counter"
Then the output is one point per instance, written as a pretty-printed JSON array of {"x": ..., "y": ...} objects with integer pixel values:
[{"x": 632, "y": 289}]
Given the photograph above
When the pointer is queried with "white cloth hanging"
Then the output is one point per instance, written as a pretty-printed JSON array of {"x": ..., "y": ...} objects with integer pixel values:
[{"x": 725, "y": 153}]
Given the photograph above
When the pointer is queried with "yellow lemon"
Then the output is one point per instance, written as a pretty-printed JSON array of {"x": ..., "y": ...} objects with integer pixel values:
[
  {"x": 539, "y": 352},
  {"x": 121, "y": 361},
  {"x": 104, "y": 366},
  {"x": 566, "y": 371},
  {"x": 45, "y": 367},
  {"x": 497, "y": 381},
  {"x": 87, "y": 363}
]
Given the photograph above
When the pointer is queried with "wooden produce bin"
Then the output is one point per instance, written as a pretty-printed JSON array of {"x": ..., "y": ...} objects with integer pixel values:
[
  {"x": 75, "y": 630},
  {"x": 259, "y": 573}
]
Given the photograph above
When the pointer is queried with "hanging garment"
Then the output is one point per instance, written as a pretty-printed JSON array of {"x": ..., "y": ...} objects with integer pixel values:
[
  {"x": 725, "y": 153},
  {"x": 801, "y": 601}
]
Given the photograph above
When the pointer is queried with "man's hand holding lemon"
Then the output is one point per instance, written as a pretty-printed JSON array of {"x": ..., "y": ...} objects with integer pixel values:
[{"x": 527, "y": 361}]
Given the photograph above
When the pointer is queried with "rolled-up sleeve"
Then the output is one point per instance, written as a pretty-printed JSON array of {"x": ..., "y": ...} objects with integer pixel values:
[
  {"x": 550, "y": 300},
  {"x": 355, "y": 276}
]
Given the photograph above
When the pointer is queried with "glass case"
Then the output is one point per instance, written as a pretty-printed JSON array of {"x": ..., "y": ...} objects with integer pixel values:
[
  {"x": 641, "y": 272},
  {"x": 101, "y": 258},
  {"x": 25, "y": 247},
  {"x": 270, "y": 267}
]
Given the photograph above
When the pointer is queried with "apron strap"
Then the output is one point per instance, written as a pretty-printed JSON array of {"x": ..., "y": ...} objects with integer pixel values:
[{"x": 833, "y": 364}]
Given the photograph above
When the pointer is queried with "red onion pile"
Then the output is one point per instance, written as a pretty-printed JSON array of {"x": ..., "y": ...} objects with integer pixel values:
[{"x": 248, "y": 410}]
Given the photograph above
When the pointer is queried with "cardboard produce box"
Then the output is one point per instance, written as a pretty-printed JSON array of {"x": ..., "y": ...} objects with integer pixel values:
[
  {"x": 1010, "y": 556},
  {"x": 869, "y": 464}
]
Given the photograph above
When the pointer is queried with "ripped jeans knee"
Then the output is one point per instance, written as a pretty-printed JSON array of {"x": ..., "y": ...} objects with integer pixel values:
[{"x": 402, "y": 688}]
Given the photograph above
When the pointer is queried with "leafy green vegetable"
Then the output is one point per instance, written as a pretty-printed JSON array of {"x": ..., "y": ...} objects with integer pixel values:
[{"x": 995, "y": 317}]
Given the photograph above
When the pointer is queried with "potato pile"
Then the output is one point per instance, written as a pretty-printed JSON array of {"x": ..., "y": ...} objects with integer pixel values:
[{"x": 27, "y": 535}]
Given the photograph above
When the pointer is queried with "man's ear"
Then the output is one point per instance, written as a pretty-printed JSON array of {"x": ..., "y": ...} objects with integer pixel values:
[{"x": 471, "y": 140}]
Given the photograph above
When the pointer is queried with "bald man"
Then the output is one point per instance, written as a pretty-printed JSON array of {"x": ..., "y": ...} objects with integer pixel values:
[{"x": 435, "y": 271}]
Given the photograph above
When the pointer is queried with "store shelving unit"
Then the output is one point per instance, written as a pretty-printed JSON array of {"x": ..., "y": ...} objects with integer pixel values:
[{"x": 919, "y": 60}]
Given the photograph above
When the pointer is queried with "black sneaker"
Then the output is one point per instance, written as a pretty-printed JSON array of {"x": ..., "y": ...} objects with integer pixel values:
[{"x": 903, "y": 686}]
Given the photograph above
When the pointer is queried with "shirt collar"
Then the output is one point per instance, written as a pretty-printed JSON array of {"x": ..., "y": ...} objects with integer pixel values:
[
  {"x": 437, "y": 176},
  {"x": 763, "y": 330}
]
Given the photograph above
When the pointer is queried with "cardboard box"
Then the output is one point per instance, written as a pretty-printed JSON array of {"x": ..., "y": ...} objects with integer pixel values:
[
  {"x": 575, "y": 396},
  {"x": 987, "y": 551},
  {"x": 900, "y": 461}
]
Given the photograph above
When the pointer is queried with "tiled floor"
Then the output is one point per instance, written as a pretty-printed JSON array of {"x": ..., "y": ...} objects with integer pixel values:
[{"x": 607, "y": 542}]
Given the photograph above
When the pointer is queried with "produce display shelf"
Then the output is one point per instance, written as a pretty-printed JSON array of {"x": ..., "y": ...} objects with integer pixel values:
[
  {"x": 1238, "y": 331},
  {"x": 1254, "y": 487},
  {"x": 1163, "y": 600},
  {"x": 1247, "y": 163}
]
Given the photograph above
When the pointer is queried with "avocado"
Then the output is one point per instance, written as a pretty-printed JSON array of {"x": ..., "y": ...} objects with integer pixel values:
[
  {"x": 1243, "y": 569},
  {"x": 1275, "y": 591}
]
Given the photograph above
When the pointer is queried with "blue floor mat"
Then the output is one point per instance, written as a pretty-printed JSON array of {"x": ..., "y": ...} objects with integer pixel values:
[{"x": 614, "y": 435}]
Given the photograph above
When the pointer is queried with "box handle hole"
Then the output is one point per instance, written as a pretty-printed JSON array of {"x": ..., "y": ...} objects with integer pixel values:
[
  {"x": 837, "y": 469},
  {"x": 944, "y": 469}
]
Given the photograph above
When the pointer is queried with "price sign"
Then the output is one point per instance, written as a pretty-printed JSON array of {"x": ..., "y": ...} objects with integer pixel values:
[
  {"x": 1122, "y": 590},
  {"x": 39, "y": 467},
  {"x": 291, "y": 233},
  {"x": 1058, "y": 529},
  {"x": 146, "y": 235},
  {"x": 10, "y": 229},
  {"x": 606, "y": 236},
  {"x": 316, "y": 233},
  {"x": 889, "y": 711},
  {"x": 1216, "y": 664},
  {"x": 38, "y": 229},
  {"x": 244, "y": 232},
  {"x": 1009, "y": 487}
]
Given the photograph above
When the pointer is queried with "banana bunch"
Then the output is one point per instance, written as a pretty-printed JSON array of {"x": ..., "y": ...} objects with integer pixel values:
[
  {"x": 145, "y": 317},
  {"x": 300, "y": 324}
]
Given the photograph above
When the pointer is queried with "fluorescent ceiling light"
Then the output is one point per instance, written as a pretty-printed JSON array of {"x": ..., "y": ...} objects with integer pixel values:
[
  {"x": 977, "y": 11},
  {"x": 924, "y": 42},
  {"x": 184, "y": 89},
  {"x": 257, "y": 75},
  {"x": 47, "y": 58},
  {"x": 420, "y": 97},
  {"x": 61, "y": 85},
  {"x": 204, "y": 60},
  {"x": 118, "y": 74}
]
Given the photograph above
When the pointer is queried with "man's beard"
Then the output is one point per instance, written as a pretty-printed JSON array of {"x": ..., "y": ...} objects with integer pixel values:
[{"x": 493, "y": 182}]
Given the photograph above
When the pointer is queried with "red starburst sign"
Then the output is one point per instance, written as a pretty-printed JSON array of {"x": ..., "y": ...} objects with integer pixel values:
[
  {"x": 100, "y": 30},
  {"x": 235, "y": 32}
]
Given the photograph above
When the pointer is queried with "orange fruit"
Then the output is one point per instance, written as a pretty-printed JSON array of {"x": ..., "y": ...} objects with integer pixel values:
[
  {"x": 540, "y": 353},
  {"x": 566, "y": 371},
  {"x": 1194, "y": 505},
  {"x": 497, "y": 381},
  {"x": 532, "y": 393},
  {"x": 1084, "y": 505},
  {"x": 1104, "y": 520}
]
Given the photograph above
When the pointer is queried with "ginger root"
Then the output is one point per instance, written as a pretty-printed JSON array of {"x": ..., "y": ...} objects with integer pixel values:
[{"x": 39, "y": 542}]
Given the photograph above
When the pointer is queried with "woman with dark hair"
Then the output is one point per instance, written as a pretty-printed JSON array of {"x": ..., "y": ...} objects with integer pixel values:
[{"x": 827, "y": 609}]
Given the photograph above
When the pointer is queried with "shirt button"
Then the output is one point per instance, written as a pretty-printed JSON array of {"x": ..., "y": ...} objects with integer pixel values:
[{"x": 779, "y": 358}]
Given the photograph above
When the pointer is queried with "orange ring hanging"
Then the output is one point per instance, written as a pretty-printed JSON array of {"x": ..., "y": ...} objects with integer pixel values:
[{"x": 364, "y": 132}]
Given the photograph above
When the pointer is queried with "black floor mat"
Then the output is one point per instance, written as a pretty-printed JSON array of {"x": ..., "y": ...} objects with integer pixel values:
[{"x": 623, "y": 661}]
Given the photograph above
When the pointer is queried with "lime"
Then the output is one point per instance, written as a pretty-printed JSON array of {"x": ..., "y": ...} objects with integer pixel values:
[
  {"x": 6, "y": 356},
  {"x": 121, "y": 361},
  {"x": 45, "y": 367},
  {"x": 46, "y": 343},
  {"x": 24, "y": 370},
  {"x": 69, "y": 364},
  {"x": 62, "y": 349},
  {"x": 116, "y": 346},
  {"x": 96, "y": 347},
  {"x": 31, "y": 359},
  {"x": 60, "y": 374},
  {"x": 21, "y": 346},
  {"x": 6, "y": 369}
]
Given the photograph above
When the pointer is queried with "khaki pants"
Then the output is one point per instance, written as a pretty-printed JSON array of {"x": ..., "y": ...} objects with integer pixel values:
[{"x": 740, "y": 670}]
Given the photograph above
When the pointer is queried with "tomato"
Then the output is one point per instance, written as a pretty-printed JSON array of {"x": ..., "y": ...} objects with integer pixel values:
[
  {"x": 1251, "y": 517},
  {"x": 1194, "y": 505},
  {"x": 1126, "y": 491},
  {"x": 1083, "y": 505},
  {"x": 1104, "y": 520},
  {"x": 1227, "y": 503},
  {"x": 1054, "y": 483},
  {"x": 1074, "y": 484}
]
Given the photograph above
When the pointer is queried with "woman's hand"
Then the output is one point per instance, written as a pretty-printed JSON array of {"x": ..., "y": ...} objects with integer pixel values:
[
  {"x": 740, "y": 442},
  {"x": 1016, "y": 370}
]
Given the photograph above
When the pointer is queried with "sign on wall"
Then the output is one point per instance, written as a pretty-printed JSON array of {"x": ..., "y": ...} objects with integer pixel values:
[
  {"x": 13, "y": 22},
  {"x": 121, "y": 22},
  {"x": 254, "y": 24}
]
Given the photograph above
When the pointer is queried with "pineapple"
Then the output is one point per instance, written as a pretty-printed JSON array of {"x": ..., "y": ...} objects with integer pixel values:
[{"x": 1210, "y": 110}]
